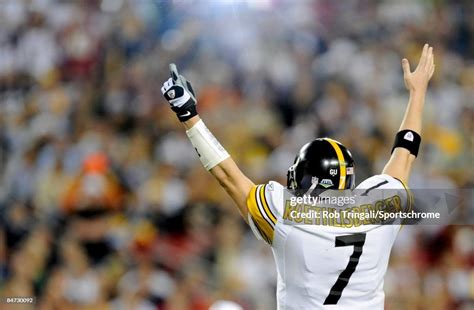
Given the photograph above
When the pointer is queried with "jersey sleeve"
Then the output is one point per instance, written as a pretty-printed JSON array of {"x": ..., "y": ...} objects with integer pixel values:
[
  {"x": 383, "y": 186},
  {"x": 264, "y": 210},
  {"x": 408, "y": 194}
]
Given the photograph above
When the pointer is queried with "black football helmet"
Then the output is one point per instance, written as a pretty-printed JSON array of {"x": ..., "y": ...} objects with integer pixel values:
[{"x": 322, "y": 164}]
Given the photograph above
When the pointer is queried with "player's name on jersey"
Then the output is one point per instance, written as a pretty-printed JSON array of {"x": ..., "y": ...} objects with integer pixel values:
[{"x": 347, "y": 217}]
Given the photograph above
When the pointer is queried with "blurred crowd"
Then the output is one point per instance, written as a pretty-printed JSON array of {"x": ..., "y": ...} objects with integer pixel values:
[{"x": 103, "y": 202}]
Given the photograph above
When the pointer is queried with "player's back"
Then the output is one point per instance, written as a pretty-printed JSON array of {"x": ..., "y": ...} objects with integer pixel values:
[{"x": 322, "y": 261}]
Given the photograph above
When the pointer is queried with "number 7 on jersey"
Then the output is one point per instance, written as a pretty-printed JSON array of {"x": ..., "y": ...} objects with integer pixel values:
[{"x": 356, "y": 240}]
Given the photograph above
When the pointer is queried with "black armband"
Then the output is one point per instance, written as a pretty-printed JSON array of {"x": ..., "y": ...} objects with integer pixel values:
[{"x": 408, "y": 139}]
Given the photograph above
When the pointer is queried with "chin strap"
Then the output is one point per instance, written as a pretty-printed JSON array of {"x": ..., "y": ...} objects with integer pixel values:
[
  {"x": 314, "y": 183},
  {"x": 292, "y": 177}
]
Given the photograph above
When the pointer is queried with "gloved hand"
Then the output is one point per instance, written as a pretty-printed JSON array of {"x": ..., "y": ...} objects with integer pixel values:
[{"x": 180, "y": 95}]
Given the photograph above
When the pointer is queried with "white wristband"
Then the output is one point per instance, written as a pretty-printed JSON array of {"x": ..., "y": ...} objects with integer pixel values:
[{"x": 210, "y": 151}]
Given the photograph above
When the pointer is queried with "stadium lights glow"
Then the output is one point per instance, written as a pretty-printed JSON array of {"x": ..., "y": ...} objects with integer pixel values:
[
  {"x": 259, "y": 4},
  {"x": 253, "y": 4},
  {"x": 111, "y": 5}
]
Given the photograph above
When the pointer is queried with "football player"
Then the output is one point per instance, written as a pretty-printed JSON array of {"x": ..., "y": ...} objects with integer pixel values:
[{"x": 318, "y": 266}]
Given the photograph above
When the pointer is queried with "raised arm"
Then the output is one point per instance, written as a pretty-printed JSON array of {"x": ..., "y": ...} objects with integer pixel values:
[
  {"x": 180, "y": 94},
  {"x": 408, "y": 138}
]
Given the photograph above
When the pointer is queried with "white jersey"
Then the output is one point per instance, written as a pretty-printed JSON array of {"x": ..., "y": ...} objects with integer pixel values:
[{"x": 327, "y": 266}]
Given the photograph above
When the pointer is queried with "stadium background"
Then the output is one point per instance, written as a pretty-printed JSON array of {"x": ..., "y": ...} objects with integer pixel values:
[{"x": 102, "y": 200}]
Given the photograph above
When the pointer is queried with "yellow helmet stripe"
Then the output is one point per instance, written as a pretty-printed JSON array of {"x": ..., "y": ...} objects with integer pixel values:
[{"x": 342, "y": 162}]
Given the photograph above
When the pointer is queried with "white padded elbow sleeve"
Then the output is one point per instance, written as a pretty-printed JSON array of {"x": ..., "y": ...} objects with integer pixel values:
[{"x": 210, "y": 151}]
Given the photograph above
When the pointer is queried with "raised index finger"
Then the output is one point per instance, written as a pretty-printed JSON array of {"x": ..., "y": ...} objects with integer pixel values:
[
  {"x": 429, "y": 58},
  {"x": 424, "y": 56},
  {"x": 174, "y": 72}
]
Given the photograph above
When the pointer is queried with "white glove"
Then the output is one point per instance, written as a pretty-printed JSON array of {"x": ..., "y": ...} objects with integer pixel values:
[{"x": 180, "y": 95}]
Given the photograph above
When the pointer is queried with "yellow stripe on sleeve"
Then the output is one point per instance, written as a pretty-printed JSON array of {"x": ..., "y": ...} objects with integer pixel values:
[
  {"x": 410, "y": 198},
  {"x": 262, "y": 233},
  {"x": 264, "y": 225},
  {"x": 266, "y": 208}
]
